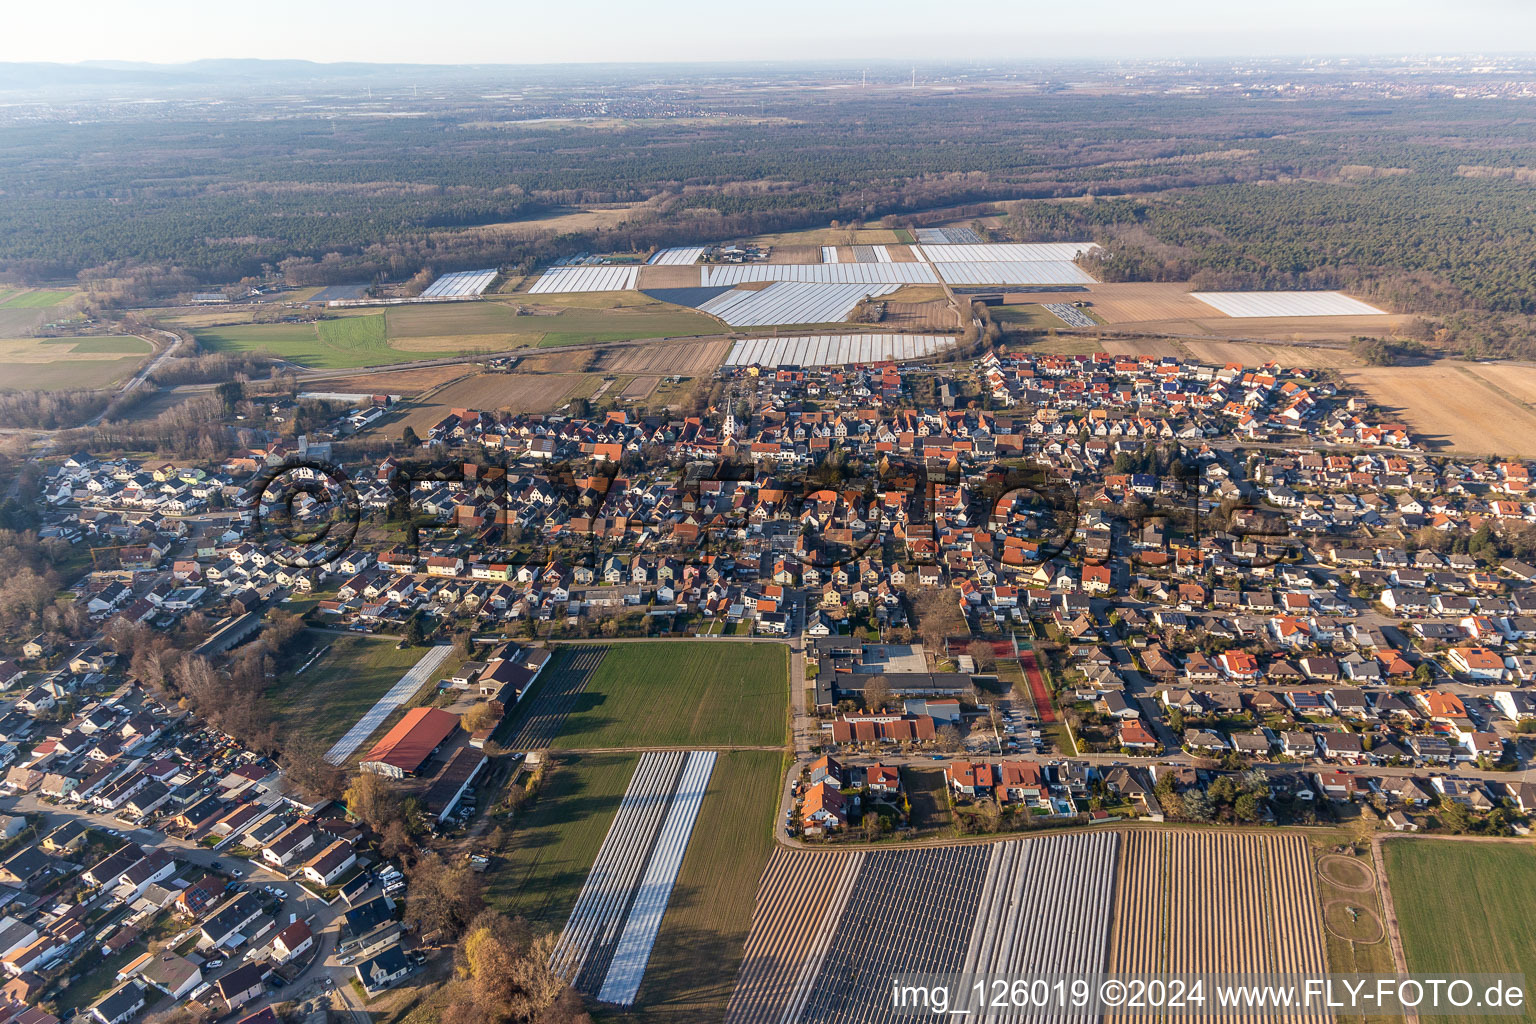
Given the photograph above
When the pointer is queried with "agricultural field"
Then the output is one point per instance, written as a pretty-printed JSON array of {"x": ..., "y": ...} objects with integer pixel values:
[
  {"x": 363, "y": 338},
  {"x": 610, "y": 316},
  {"x": 1464, "y": 906},
  {"x": 1211, "y": 902},
  {"x": 335, "y": 680},
  {"x": 35, "y": 298},
  {"x": 683, "y": 694},
  {"x": 514, "y": 392},
  {"x": 1450, "y": 406},
  {"x": 543, "y": 712},
  {"x": 406, "y": 383},
  {"x": 910, "y": 911},
  {"x": 1257, "y": 354},
  {"x": 1025, "y": 317},
  {"x": 1067, "y": 880},
  {"x": 59, "y": 363},
  {"x": 1140, "y": 301},
  {"x": 607, "y": 941},
  {"x": 799, "y": 903},
  {"x": 304, "y": 344},
  {"x": 826, "y": 236},
  {"x": 694, "y": 964},
  {"x": 1517, "y": 381},
  {"x": 554, "y": 840},
  {"x": 831, "y": 928},
  {"x": 687, "y": 358}
]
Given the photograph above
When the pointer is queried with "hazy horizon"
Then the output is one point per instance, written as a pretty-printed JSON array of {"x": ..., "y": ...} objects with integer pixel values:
[{"x": 677, "y": 31}]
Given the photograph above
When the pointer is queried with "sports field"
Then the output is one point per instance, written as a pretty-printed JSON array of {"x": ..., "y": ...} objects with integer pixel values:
[
  {"x": 50, "y": 363},
  {"x": 325, "y": 699},
  {"x": 683, "y": 694},
  {"x": 693, "y": 965},
  {"x": 1464, "y": 906},
  {"x": 554, "y": 840}
]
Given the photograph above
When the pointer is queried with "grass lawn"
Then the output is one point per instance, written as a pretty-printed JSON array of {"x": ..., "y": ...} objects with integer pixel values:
[
  {"x": 554, "y": 841},
  {"x": 40, "y": 298},
  {"x": 693, "y": 965},
  {"x": 329, "y": 696},
  {"x": 683, "y": 693},
  {"x": 1464, "y": 907}
]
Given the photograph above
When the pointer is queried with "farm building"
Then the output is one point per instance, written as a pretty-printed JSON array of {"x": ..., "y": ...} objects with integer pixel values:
[{"x": 406, "y": 747}]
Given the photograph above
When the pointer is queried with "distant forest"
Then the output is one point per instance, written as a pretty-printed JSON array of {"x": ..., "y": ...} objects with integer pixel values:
[{"x": 1420, "y": 202}]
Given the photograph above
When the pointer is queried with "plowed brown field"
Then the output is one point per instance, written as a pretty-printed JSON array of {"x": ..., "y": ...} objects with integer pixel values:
[
  {"x": 534, "y": 392},
  {"x": 1217, "y": 902},
  {"x": 1452, "y": 404},
  {"x": 801, "y": 898},
  {"x": 391, "y": 382},
  {"x": 685, "y": 358}
]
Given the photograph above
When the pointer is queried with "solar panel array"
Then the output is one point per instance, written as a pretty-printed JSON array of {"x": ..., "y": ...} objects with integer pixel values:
[
  {"x": 1068, "y": 314},
  {"x": 585, "y": 279},
  {"x": 465, "y": 282},
  {"x": 1009, "y": 252},
  {"x": 685, "y": 256},
  {"x": 791, "y": 302},
  {"x": 836, "y": 349},
  {"x": 1249, "y": 304},
  {"x": 829, "y": 254},
  {"x": 823, "y": 273},
  {"x": 1014, "y": 272}
]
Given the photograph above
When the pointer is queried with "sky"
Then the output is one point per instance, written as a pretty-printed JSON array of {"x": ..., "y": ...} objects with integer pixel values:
[{"x": 543, "y": 31}]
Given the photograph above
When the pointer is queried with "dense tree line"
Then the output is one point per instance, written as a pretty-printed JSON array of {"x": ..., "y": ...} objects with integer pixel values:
[
  {"x": 1435, "y": 242},
  {"x": 360, "y": 198}
]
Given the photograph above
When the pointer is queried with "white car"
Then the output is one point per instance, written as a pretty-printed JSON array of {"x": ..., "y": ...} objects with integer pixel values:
[{"x": 214, "y": 965}]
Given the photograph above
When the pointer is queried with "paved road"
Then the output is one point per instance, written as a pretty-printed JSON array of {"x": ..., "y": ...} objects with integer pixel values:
[{"x": 324, "y": 921}]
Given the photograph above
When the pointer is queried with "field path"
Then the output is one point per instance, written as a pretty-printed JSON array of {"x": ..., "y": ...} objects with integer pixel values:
[{"x": 1389, "y": 912}]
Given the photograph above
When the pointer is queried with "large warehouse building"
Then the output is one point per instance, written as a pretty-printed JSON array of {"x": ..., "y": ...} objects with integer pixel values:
[{"x": 408, "y": 746}]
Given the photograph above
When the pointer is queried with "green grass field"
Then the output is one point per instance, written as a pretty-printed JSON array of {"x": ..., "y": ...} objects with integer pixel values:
[
  {"x": 1465, "y": 907},
  {"x": 554, "y": 841},
  {"x": 434, "y": 330},
  {"x": 331, "y": 344},
  {"x": 354, "y": 333},
  {"x": 41, "y": 298},
  {"x": 677, "y": 693},
  {"x": 331, "y": 695},
  {"x": 693, "y": 965}
]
